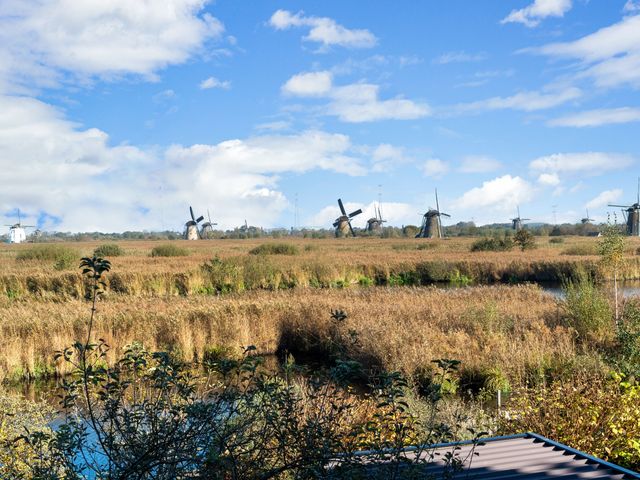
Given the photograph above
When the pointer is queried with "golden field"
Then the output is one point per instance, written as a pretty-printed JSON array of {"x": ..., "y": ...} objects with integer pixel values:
[
  {"x": 319, "y": 263},
  {"x": 282, "y": 302}
]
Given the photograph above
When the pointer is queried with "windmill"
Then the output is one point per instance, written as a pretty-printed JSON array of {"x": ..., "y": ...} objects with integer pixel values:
[
  {"x": 17, "y": 232},
  {"x": 207, "y": 227},
  {"x": 586, "y": 219},
  {"x": 374, "y": 224},
  {"x": 516, "y": 223},
  {"x": 632, "y": 215},
  {"x": 431, "y": 224},
  {"x": 191, "y": 227},
  {"x": 343, "y": 222}
]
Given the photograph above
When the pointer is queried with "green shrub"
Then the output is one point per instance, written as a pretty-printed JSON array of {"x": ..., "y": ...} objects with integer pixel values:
[
  {"x": 275, "y": 249},
  {"x": 169, "y": 250},
  {"x": 587, "y": 309},
  {"x": 63, "y": 257},
  {"x": 556, "y": 240},
  {"x": 108, "y": 250},
  {"x": 524, "y": 239},
  {"x": 492, "y": 244}
]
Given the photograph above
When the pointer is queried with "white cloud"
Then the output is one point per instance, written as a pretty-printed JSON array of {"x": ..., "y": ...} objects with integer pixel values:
[
  {"x": 604, "y": 198},
  {"x": 323, "y": 30},
  {"x": 385, "y": 156},
  {"x": 610, "y": 56},
  {"x": 51, "y": 165},
  {"x": 534, "y": 13},
  {"x": 591, "y": 163},
  {"x": 213, "y": 82},
  {"x": 354, "y": 103},
  {"x": 549, "y": 179},
  {"x": 309, "y": 84},
  {"x": 46, "y": 42},
  {"x": 435, "y": 167},
  {"x": 594, "y": 118},
  {"x": 631, "y": 6},
  {"x": 459, "y": 57},
  {"x": 501, "y": 193},
  {"x": 478, "y": 164},
  {"x": 525, "y": 101},
  {"x": 275, "y": 126}
]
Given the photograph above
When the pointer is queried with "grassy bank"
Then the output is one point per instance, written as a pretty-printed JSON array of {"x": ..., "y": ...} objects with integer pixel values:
[
  {"x": 308, "y": 264},
  {"x": 515, "y": 331}
]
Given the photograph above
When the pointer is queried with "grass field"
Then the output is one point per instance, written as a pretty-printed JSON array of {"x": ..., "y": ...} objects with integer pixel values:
[{"x": 314, "y": 263}]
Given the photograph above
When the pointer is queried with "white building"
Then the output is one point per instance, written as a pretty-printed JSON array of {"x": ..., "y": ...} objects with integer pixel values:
[{"x": 17, "y": 234}]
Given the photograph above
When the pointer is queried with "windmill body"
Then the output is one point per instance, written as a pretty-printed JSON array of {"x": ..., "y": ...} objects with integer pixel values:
[
  {"x": 191, "y": 231},
  {"x": 586, "y": 220},
  {"x": 517, "y": 223},
  {"x": 17, "y": 234},
  {"x": 17, "y": 231},
  {"x": 342, "y": 224},
  {"x": 374, "y": 224},
  {"x": 632, "y": 215},
  {"x": 207, "y": 227},
  {"x": 431, "y": 224}
]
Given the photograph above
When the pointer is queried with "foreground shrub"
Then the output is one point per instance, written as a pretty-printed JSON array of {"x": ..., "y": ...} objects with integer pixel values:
[
  {"x": 600, "y": 417},
  {"x": 108, "y": 250},
  {"x": 587, "y": 310},
  {"x": 169, "y": 250},
  {"x": 275, "y": 249},
  {"x": 556, "y": 240},
  {"x": 62, "y": 257},
  {"x": 17, "y": 416},
  {"x": 493, "y": 244},
  {"x": 524, "y": 239}
]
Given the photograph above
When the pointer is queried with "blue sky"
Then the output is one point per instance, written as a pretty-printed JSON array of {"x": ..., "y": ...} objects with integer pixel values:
[{"x": 118, "y": 115}]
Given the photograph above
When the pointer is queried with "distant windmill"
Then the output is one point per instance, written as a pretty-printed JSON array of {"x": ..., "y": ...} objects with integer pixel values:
[
  {"x": 17, "y": 233},
  {"x": 632, "y": 215},
  {"x": 191, "y": 227},
  {"x": 516, "y": 223},
  {"x": 586, "y": 219},
  {"x": 431, "y": 223},
  {"x": 343, "y": 222},
  {"x": 207, "y": 227},
  {"x": 374, "y": 224}
]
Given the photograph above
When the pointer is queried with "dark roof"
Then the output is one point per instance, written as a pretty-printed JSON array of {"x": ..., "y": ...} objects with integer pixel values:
[
  {"x": 527, "y": 456},
  {"x": 532, "y": 456}
]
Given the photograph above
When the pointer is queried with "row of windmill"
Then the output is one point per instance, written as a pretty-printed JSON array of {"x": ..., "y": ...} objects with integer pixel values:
[{"x": 431, "y": 226}]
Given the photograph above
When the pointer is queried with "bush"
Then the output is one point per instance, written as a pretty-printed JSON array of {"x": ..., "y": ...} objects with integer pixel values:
[
  {"x": 556, "y": 240},
  {"x": 275, "y": 249},
  {"x": 493, "y": 244},
  {"x": 587, "y": 309},
  {"x": 108, "y": 250},
  {"x": 525, "y": 240},
  {"x": 63, "y": 257},
  {"x": 597, "y": 416},
  {"x": 169, "y": 250}
]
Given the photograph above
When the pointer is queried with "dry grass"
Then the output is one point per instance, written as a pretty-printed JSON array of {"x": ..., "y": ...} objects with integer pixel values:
[
  {"x": 513, "y": 328},
  {"x": 319, "y": 263}
]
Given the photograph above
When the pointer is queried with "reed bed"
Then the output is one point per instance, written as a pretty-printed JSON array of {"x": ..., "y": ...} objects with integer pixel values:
[
  {"x": 312, "y": 263},
  {"x": 515, "y": 329}
]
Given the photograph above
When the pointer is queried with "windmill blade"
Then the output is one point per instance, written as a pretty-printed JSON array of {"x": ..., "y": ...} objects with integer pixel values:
[
  {"x": 620, "y": 206},
  {"x": 200, "y": 218},
  {"x": 437, "y": 203},
  {"x": 638, "y": 197},
  {"x": 193, "y": 217},
  {"x": 525, "y": 219},
  {"x": 445, "y": 215},
  {"x": 344, "y": 212},
  {"x": 208, "y": 216},
  {"x": 336, "y": 223},
  {"x": 357, "y": 212},
  {"x": 518, "y": 207},
  {"x": 351, "y": 228}
]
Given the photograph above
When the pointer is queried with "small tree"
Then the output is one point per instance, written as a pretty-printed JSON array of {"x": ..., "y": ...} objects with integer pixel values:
[
  {"x": 611, "y": 250},
  {"x": 524, "y": 239}
]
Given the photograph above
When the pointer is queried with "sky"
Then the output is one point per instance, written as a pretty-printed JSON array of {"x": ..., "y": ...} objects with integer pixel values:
[{"x": 119, "y": 115}]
